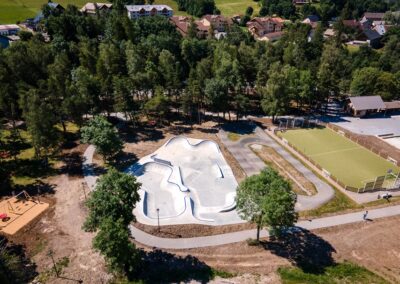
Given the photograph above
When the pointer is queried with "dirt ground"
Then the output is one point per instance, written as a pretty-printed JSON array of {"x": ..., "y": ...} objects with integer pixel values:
[
  {"x": 373, "y": 245},
  {"x": 192, "y": 230},
  {"x": 272, "y": 158},
  {"x": 59, "y": 230}
]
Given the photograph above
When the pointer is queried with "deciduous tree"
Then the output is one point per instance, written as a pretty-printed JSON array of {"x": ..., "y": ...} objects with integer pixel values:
[{"x": 99, "y": 132}]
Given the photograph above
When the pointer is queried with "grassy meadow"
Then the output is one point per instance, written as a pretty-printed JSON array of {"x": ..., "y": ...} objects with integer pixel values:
[{"x": 12, "y": 11}]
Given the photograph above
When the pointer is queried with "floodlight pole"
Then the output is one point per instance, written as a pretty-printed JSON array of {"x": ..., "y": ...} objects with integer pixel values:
[{"x": 158, "y": 219}]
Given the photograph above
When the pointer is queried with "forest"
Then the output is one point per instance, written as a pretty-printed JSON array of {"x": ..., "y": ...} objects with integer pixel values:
[{"x": 110, "y": 64}]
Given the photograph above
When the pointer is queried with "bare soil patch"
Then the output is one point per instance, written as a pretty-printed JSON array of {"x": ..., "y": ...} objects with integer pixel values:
[
  {"x": 274, "y": 160},
  {"x": 192, "y": 230},
  {"x": 59, "y": 228},
  {"x": 373, "y": 245}
]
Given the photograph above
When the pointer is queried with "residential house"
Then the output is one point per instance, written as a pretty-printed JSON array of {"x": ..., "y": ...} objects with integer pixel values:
[
  {"x": 260, "y": 27},
  {"x": 236, "y": 19},
  {"x": 311, "y": 20},
  {"x": 92, "y": 8},
  {"x": 328, "y": 33},
  {"x": 301, "y": 2},
  {"x": 214, "y": 24},
  {"x": 7, "y": 30},
  {"x": 33, "y": 23},
  {"x": 353, "y": 24},
  {"x": 137, "y": 11},
  {"x": 217, "y": 22},
  {"x": 6, "y": 41},
  {"x": 371, "y": 17},
  {"x": 181, "y": 23}
]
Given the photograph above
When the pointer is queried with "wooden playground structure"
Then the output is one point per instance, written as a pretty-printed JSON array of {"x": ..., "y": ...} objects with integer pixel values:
[{"x": 18, "y": 211}]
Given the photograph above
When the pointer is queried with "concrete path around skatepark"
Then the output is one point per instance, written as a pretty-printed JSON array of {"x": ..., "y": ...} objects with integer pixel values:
[
  {"x": 228, "y": 238},
  {"x": 252, "y": 164},
  {"x": 234, "y": 237}
]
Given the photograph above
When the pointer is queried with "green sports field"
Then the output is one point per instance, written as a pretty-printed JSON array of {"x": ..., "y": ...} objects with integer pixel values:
[{"x": 346, "y": 160}]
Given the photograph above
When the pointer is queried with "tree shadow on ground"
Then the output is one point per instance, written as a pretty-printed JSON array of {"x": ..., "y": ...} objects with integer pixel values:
[
  {"x": 37, "y": 188},
  {"x": 304, "y": 249},
  {"x": 125, "y": 160},
  {"x": 15, "y": 267},
  {"x": 240, "y": 127},
  {"x": 163, "y": 267},
  {"x": 72, "y": 164},
  {"x": 130, "y": 134},
  {"x": 70, "y": 140},
  {"x": 33, "y": 168}
]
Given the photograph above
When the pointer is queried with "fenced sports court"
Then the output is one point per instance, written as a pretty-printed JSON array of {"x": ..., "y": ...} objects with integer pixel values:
[
  {"x": 351, "y": 165},
  {"x": 18, "y": 211}
]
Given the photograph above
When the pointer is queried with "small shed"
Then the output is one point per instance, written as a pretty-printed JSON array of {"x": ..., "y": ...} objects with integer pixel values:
[
  {"x": 362, "y": 106},
  {"x": 393, "y": 106}
]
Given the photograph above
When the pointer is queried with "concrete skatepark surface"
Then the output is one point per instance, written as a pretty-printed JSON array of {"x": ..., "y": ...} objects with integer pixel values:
[{"x": 188, "y": 181}]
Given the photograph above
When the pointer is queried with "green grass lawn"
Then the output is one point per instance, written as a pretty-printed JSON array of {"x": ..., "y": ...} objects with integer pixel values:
[
  {"x": 26, "y": 169},
  {"x": 349, "y": 162},
  {"x": 12, "y": 11},
  {"x": 235, "y": 7},
  {"x": 345, "y": 273}
]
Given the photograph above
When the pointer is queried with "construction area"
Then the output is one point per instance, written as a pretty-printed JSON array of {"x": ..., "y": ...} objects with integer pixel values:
[{"x": 18, "y": 211}]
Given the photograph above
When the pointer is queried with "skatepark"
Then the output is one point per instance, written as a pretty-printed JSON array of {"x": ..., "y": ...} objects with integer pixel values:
[{"x": 186, "y": 181}]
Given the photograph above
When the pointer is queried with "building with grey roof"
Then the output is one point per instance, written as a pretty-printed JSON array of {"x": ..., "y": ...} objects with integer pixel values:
[
  {"x": 361, "y": 106},
  {"x": 137, "y": 11}
]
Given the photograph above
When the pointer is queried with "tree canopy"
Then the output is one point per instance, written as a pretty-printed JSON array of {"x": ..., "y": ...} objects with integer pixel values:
[
  {"x": 266, "y": 199},
  {"x": 114, "y": 197},
  {"x": 99, "y": 132}
]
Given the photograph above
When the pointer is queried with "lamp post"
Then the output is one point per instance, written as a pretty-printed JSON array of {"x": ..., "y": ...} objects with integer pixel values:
[
  {"x": 83, "y": 189},
  {"x": 158, "y": 219}
]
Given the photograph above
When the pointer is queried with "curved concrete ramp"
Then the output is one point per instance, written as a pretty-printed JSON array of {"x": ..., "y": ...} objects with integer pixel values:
[{"x": 186, "y": 168}]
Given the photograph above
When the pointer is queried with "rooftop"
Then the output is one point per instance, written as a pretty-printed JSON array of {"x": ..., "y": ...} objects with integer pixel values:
[
  {"x": 367, "y": 102},
  {"x": 137, "y": 8},
  {"x": 9, "y": 27}
]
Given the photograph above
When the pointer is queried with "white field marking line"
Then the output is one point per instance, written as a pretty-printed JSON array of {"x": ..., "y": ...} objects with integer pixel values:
[
  {"x": 334, "y": 152},
  {"x": 359, "y": 145}
]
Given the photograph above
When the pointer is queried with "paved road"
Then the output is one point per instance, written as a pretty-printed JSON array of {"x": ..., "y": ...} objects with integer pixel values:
[
  {"x": 252, "y": 164},
  {"x": 228, "y": 238}
]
